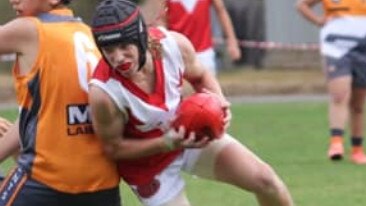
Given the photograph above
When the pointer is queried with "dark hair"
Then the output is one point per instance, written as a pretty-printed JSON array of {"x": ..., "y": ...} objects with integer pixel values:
[{"x": 120, "y": 21}]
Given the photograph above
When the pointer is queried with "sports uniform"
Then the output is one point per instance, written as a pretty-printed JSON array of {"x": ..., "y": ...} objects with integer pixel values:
[
  {"x": 343, "y": 48},
  {"x": 133, "y": 102},
  {"x": 192, "y": 18},
  {"x": 155, "y": 179},
  {"x": 143, "y": 110},
  {"x": 61, "y": 160},
  {"x": 343, "y": 39}
]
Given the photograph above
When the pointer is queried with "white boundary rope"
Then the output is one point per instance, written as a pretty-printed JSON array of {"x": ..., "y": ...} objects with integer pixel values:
[
  {"x": 269, "y": 45},
  {"x": 7, "y": 57}
]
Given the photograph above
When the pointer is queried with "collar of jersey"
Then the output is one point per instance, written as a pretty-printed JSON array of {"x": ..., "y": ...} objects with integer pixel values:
[{"x": 62, "y": 12}]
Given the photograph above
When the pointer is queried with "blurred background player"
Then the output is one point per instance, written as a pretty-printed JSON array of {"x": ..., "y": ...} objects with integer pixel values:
[
  {"x": 248, "y": 18},
  {"x": 61, "y": 161},
  {"x": 193, "y": 19},
  {"x": 343, "y": 47},
  {"x": 134, "y": 94}
]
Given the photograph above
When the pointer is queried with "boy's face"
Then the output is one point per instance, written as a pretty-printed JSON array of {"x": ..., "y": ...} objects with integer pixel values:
[{"x": 122, "y": 57}]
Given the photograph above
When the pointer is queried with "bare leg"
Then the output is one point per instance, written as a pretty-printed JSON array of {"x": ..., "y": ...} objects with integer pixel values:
[
  {"x": 340, "y": 93},
  {"x": 238, "y": 166},
  {"x": 357, "y": 108},
  {"x": 231, "y": 162}
]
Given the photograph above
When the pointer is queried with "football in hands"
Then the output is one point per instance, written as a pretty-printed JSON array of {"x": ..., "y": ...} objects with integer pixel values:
[{"x": 201, "y": 113}]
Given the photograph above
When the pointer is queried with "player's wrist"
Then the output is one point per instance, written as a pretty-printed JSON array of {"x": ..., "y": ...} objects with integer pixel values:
[{"x": 168, "y": 138}]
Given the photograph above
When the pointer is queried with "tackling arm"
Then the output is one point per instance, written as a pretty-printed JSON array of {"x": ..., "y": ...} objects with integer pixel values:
[
  {"x": 9, "y": 141},
  {"x": 109, "y": 124},
  {"x": 18, "y": 36}
]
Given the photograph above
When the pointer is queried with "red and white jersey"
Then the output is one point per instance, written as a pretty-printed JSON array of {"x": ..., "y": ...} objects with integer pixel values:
[
  {"x": 191, "y": 18},
  {"x": 148, "y": 115}
]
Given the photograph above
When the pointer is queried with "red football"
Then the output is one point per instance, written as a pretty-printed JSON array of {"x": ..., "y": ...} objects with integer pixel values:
[{"x": 201, "y": 113}]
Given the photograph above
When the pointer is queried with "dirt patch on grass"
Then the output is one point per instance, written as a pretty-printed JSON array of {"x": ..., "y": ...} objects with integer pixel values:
[{"x": 274, "y": 81}]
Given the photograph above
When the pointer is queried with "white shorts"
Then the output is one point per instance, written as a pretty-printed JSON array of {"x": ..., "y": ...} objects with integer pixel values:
[
  {"x": 169, "y": 183},
  {"x": 343, "y": 45},
  {"x": 341, "y": 35},
  {"x": 207, "y": 58}
]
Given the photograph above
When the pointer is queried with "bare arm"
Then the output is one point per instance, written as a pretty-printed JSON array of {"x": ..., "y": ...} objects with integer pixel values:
[
  {"x": 201, "y": 79},
  {"x": 20, "y": 36},
  {"x": 228, "y": 29},
  {"x": 109, "y": 125},
  {"x": 304, "y": 7},
  {"x": 4, "y": 126},
  {"x": 154, "y": 12},
  {"x": 195, "y": 72},
  {"x": 16, "y": 35},
  {"x": 9, "y": 142}
]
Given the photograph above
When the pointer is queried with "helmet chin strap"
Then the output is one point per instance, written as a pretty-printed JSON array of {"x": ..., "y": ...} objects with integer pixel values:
[{"x": 142, "y": 58}]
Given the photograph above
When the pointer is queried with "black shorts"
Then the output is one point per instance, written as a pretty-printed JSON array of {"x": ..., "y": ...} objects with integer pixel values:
[{"x": 18, "y": 190}]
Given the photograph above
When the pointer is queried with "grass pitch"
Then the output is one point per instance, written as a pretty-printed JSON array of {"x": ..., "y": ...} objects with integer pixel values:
[{"x": 293, "y": 138}]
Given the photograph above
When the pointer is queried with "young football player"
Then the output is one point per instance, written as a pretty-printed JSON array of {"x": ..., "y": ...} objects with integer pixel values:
[{"x": 134, "y": 94}]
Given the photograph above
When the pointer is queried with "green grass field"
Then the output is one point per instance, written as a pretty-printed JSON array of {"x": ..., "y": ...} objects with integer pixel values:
[{"x": 292, "y": 137}]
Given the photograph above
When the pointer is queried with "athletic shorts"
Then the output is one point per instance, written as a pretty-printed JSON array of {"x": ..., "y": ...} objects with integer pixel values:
[
  {"x": 207, "y": 58},
  {"x": 343, "y": 45},
  {"x": 353, "y": 64},
  {"x": 19, "y": 190},
  {"x": 169, "y": 183}
]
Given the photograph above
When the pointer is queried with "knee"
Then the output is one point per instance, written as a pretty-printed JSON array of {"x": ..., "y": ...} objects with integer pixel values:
[
  {"x": 267, "y": 181},
  {"x": 339, "y": 97},
  {"x": 357, "y": 109}
]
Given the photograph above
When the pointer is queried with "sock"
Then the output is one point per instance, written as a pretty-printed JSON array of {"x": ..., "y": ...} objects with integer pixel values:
[
  {"x": 336, "y": 135},
  {"x": 356, "y": 143}
]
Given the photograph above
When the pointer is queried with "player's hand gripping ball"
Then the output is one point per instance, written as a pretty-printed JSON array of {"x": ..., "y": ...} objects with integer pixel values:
[{"x": 201, "y": 113}]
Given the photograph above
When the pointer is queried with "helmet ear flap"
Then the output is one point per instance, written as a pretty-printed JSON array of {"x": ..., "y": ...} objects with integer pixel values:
[
  {"x": 143, "y": 41},
  {"x": 120, "y": 21}
]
